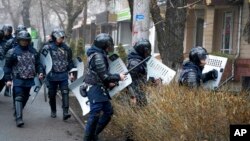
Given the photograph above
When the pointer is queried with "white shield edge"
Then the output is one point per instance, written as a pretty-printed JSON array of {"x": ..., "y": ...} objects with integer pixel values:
[
  {"x": 157, "y": 69},
  {"x": 80, "y": 67},
  {"x": 117, "y": 66},
  {"x": 2, "y": 63},
  {"x": 46, "y": 60},
  {"x": 36, "y": 88},
  {"x": 218, "y": 63},
  {"x": 1, "y": 73},
  {"x": 74, "y": 87}
]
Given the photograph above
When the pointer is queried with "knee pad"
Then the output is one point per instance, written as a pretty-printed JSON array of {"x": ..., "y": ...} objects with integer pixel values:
[
  {"x": 19, "y": 98},
  {"x": 64, "y": 90}
]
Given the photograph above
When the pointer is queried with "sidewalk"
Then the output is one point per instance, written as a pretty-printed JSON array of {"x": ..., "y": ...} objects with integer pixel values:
[{"x": 38, "y": 125}]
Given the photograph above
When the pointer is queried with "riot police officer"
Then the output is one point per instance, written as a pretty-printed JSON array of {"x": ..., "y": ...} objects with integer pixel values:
[
  {"x": 7, "y": 32},
  {"x": 23, "y": 63},
  {"x": 11, "y": 43},
  {"x": 191, "y": 74},
  {"x": 62, "y": 63},
  {"x": 141, "y": 50},
  {"x": 100, "y": 81},
  {"x": 2, "y": 57}
]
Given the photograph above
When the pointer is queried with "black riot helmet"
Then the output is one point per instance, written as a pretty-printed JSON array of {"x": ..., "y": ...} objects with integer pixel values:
[
  {"x": 1, "y": 34},
  {"x": 143, "y": 47},
  {"x": 23, "y": 35},
  {"x": 57, "y": 33},
  {"x": 197, "y": 54},
  {"x": 20, "y": 28},
  {"x": 104, "y": 41},
  {"x": 7, "y": 29}
]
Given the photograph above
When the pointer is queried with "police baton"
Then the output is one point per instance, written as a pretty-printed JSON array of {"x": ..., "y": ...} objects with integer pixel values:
[{"x": 143, "y": 61}]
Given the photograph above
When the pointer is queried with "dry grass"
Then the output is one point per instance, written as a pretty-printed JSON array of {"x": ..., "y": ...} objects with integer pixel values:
[{"x": 177, "y": 113}]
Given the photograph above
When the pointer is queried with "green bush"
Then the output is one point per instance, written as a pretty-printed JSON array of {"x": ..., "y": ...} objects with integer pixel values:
[
  {"x": 80, "y": 48},
  {"x": 72, "y": 45}
]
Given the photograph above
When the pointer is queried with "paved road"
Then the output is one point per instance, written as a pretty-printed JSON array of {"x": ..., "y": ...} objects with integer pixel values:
[{"x": 39, "y": 126}]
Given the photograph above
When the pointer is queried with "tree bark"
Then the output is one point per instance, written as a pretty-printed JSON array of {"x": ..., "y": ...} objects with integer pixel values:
[
  {"x": 131, "y": 7},
  {"x": 85, "y": 16},
  {"x": 26, "y": 12},
  {"x": 170, "y": 31},
  {"x": 73, "y": 11}
]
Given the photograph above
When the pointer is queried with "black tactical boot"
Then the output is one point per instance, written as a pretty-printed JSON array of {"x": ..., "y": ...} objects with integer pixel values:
[
  {"x": 87, "y": 138},
  {"x": 19, "y": 116},
  {"x": 65, "y": 100},
  {"x": 52, "y": 102}
]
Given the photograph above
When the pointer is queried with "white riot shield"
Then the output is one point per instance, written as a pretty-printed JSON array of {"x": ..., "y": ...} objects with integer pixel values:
[
  {"x": 1, "y": 73},
  {"x": 36, "y": 88},
  {"x": 79, "y": 70},
  {"x": 217, "y": 63},
  {"x": 2, "y": 63},
  {"x": 158, "y": 70},
  {"x": 83, "y": 101},
  {"x": 36, "y": 43},
  {"x": 117, "y": 66},
  {"x": 80, "y": 66},
  {"x": 46, "y": 60}
]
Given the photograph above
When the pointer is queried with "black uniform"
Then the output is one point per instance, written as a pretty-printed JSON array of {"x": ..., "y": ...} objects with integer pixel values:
[
  {"x": 142, "y": 50},
  {"x": 191, "y": 74},
  {"x": 2, "y": 56},
  {"x": 99, "y": 78}
]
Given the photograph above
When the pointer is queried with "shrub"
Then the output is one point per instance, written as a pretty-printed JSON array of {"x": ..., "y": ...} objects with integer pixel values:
[
  {"x": 72, "y": 45},
  {"x": 122, "y": 53},
  {"x": 177, "y": 113},
  {"x": 80, "y": 48}
]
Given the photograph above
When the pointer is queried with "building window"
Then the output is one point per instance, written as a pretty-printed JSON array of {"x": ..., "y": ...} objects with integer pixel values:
[
  {"x": 227, "y": 33},
  {"x": 199, "y": 31}
]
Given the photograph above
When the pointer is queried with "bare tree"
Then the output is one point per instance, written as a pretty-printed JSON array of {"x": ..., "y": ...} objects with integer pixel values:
[
  {"x": 14, "y": 10},
  {"x": 26, "y": 12},
  {"x": 170, "y": 31},
  {"x": 131, "y": 7},
  {"x": 85, "y": 16},
  {"x": 71, "y": 8}
]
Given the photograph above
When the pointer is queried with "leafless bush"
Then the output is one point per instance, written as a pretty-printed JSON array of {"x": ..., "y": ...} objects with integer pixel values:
[{"x": 177, "y": 113}]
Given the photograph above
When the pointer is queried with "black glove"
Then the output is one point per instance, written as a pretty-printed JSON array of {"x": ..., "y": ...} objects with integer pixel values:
[{"x": 213, "y": 74}]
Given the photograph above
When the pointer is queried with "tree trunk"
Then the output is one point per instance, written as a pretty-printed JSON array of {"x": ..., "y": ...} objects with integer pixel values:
[
  {"x": 85, "y": 16},
  {"x": 69, "y": 30},
  {"x": 43, "y": 24},
  {"x": 131, "y": 7},
  {"x": 14, "y": 19},
  {"x": 170, "y": 31},
  {"x": 26, "y": 13},
  {"x": 14, "y": 16}
]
